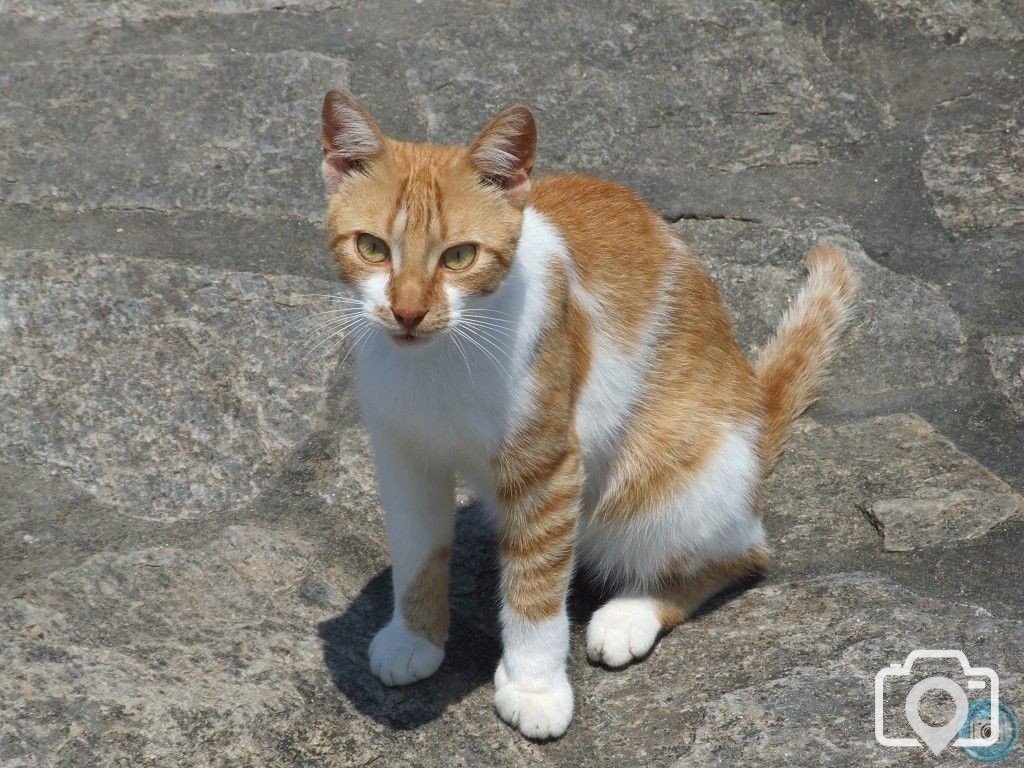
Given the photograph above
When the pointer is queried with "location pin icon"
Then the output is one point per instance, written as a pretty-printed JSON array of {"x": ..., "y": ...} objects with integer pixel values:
[{"x": 936, "y": 738}]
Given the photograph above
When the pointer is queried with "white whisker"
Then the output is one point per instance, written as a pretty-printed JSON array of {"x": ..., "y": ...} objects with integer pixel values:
[{"x": 487, "y": 352}]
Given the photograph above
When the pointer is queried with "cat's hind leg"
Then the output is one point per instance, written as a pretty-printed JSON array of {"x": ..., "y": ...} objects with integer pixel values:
[
  {"x": 627, "y": 626},
  {"x": 669, "y": 552}
]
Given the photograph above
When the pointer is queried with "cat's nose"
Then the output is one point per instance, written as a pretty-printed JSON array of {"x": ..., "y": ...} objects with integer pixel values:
[{"x": 408, "y": 318}]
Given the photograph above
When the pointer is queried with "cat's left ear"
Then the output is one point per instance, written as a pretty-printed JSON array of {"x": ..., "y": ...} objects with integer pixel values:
[
  {"x": 504, "y": 151},
  {"x": 350, "y": 135}
]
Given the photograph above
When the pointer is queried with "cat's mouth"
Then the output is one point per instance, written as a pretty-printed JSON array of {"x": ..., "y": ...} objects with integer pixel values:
[{"x": 408, "y": 338}]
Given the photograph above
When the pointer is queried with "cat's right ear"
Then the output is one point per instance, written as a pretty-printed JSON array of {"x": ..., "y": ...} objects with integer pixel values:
[{"x": 350, "y": 137}]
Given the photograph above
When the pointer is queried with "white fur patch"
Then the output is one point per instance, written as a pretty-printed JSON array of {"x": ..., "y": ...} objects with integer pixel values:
[
  {"x": 710, "y": 520},
  {"x": 455, "y": 398},
  {"x": 618, "y": 379},
  {"x": 531, "y": 687}
]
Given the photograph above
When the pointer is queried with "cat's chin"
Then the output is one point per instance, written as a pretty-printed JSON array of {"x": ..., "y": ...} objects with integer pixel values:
[{"x": 411, "y": 340}]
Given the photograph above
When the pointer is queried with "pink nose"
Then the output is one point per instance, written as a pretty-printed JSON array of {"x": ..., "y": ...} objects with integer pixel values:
[{"x": 409, "y": 318}]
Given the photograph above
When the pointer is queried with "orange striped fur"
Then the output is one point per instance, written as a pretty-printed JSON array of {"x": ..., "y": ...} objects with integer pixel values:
[{"x": 554, "y": 344}]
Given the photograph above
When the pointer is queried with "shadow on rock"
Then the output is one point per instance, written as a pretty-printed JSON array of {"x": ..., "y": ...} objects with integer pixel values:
[
  {"x": 471, "y": 654},
  {"x": 473, "y": 648}
]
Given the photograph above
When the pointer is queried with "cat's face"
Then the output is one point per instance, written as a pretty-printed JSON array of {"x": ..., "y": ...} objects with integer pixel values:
[{"x": 420, "y": 231}]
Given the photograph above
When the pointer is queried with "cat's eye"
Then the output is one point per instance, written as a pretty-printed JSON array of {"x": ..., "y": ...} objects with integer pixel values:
[
  {"x": 459, "y": 257},
  {"x": 371, "y": 248}
]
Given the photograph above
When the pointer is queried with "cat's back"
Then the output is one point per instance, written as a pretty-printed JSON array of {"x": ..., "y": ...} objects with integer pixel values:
[{"x": 655, "y": 316}]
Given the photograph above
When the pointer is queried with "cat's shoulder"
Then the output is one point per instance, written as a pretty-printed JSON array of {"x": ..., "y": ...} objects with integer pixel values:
[{"x": 579, "y": 195}]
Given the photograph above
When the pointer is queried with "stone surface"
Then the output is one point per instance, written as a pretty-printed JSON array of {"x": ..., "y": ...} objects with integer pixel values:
[
  {"x": 911, "y": 484},
  {"x": 192, "y": 554},
  {"x": 941, "y": 516},
  {"x": 163, "y": 391},
  {"x": 957, "y": 21},
  {"x": 973, "y": 160},
  {"x": 216, "y": 656},
  {"x": 1006, "y": 356},
  {"x": 904, "y": 336},
  {"x": 120, "y": 11},
  {"x": 137, "y": 132}
]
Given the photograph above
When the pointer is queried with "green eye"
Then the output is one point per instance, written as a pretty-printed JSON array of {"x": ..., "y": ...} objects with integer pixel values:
[
  {"x": 371, "y": 248},
  {"x": 459, "y": 256}
]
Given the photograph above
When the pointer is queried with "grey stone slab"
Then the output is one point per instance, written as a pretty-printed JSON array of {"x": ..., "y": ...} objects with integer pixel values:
[
  {"x": 235, "y": 132},
  {"x": 215, "y": 239},
  {"x": 645, "y": 89},
  {"x": 250, "y": 650},
  {"x": 165, "y": 391},
  {"x": 120, "y": 11},
  {"x": 956, "y": 21},
  {"x": 903, "y": 336},
  {"x": 892, "y": 472},
  {"x": 942, "y": 516},
  {"x": 1006, "y": 356},
  {"x": 973, "y": 165}
]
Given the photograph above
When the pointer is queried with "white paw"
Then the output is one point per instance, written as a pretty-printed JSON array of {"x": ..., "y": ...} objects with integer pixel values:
[
  {"x": 624, "y": 629},
  {"x": 540, "y": 711},
  {"x": 398, "y": 657}
]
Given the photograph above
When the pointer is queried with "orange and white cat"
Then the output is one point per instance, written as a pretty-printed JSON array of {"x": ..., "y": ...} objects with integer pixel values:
[{"x": 556, "y": 346}]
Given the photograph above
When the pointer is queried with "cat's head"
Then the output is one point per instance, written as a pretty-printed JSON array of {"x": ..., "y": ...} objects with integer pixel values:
[{"x": 419, "y": 231}]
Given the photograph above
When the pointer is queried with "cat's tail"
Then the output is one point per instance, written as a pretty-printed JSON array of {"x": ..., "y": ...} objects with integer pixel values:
[{"x": 793, "y": 364}]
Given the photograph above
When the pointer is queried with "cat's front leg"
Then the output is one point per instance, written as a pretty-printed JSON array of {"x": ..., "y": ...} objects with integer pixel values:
[
  {"x": 538, "y": 529},
  {"x": 419, "y": 511}
]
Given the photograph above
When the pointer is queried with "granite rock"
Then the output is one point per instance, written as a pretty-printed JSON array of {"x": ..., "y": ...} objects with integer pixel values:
[
  {"x": 121, "y": 11},
  {"x": 163, "y": 391},
  {"x": 137, "y": 132},
  {"x": 957, "y": 21},
  {"x": 972, "y": 164},
  {"x": 216, "y": 656},
  {"x": 903, "y": 335},
  {"x": 893, "y": 473},
  {"x": 1006, "y": 356}
]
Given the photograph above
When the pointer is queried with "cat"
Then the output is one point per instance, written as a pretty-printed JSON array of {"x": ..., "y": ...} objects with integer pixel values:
[{"x": 558, "y": 347}]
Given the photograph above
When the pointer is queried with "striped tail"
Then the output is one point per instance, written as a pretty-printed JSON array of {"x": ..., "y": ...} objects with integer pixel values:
[{"x": 792, "y": 366}]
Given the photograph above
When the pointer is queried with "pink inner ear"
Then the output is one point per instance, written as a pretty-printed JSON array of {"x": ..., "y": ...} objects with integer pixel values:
[
  {"x": 335, "y": 167},
  {"x": 517, "y": 187}
]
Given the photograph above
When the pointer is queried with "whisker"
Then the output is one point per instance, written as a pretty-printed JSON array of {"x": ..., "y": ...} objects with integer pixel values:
[
  {"x": 487, "y": 352},
  {"x": 332, "y": 296},
  {"x": 455, "y": 341},
  {"x": 498, "y": 343},
  {"x": 488, "y": 317},
  {"x": 496, "y": 347},
  {"x": 366, "y": 333},
  {"x": 308, "y": 318},
  {"x": 488, "y": 310},
  {"x": 330, "y": 327},
  {"x": 322, "y": 342},
  {"x": 471, "y": 323}
]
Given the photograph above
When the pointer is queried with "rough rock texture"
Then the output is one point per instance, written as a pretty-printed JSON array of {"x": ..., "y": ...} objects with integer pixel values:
[
  {"x": 973, "y": 160},
  {"x": 192, "y": 554},
  {"x": 121, "y": 11},
  {"x": 1007, "y": 359},
  {"x": 905, "y": 337},
  {"x": 230, "y": 131},
  {"x": 164, "y": 391},
  {"x": 927, "y": 493}
]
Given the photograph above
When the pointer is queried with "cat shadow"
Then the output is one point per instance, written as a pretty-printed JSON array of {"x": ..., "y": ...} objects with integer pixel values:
[
  {"x": 471, "y": 653},
  {"x": 474, "y": 643}
]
